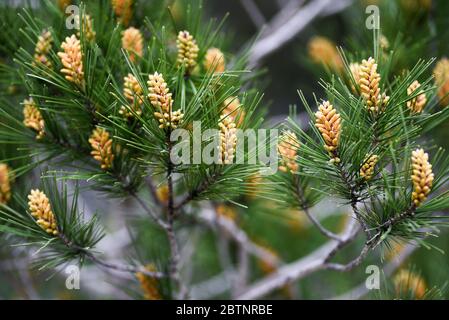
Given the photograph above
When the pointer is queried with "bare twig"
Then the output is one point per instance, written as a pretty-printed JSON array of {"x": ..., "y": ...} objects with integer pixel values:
[
  {"x": 109, "y": 265},
  {"x": 336, "y": 7},
  {"x": 209, "y": 216},
  {"x": 122, "y": 267},
  {"x": 174, "y": 249},
  {"x": 288, "y": 22},
  {"x": 214, "y": 286},
  {"x": 241, "y": 278},
  {"x": 22, "y": 268},
  {"x": 147, "y": 209},
  {"x": 286, "y": 12},
  {"x": 318, "y": 225},
  {"x": 234, "y": 232},
  {"x": 352, "y": 264},
  {"x": 301, "y": 268},
  {"x": 253, "y": 12},
  {"x": 224, "y": 250},
  {"x": 354, "y": 198},
  {"x": 361, "y": 290},
  {"x": 287, "y": 31}
]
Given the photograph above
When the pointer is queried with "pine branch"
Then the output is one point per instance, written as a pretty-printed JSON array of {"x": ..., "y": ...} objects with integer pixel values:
[
  {"x": 150, "y": 212},
  {"x": 117, "y": 267},
  {"x": 315, "y": 261},
  {"x": 197, "y": 192},
  {"x": 354, "y": 199},
  {"x": 124, "y": 268},
  {"x": 350, "y": 265},
  {"x": 174, "y": 249},
  {"x": 318, "y": 225},
  {"x": 390, "y": 223}
]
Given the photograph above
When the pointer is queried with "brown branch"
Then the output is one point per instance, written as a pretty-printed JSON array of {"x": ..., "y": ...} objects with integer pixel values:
[
  {"x": 174, "y": 249},
  {"x": 253, "y": 12},
  {"x": 350, "y": 265},
  {"x": 318, "y": 225},
  {"x": 122, "y": 267},
  {"x": 112, "y": 266},
  {"x": 354, "y": 199},
  {"x": 396, "y": 219},
  {"x": 150, "y": 212},
  {"x": 391, "y": 222},
  {"x": 317, "y": 260},
  {"x": 289, "y": 22}
]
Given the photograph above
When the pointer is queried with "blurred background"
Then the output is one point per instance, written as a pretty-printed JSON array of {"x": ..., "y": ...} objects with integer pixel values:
[{"x": 295, "y": 43}]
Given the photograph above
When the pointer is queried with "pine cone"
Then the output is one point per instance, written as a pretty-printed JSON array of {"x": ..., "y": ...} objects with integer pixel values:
[
  {"x": 328, "y": 122},
  {"x": 383, "y": 42},
  {"x": 169, "y": 120},
  {"x": 233, "y": 109},
  {"x": 134, "y": 94},
  {"x": 355, "y": 71},
  {"x": 228, "y": 140},
  {"x": 43, "y": 48},
  {"x": 40, "y": 209},
  {"x": 5, "y": 183},
  {"x": 187, "y": 50},
  {"x": 160, "y": 96},
  {"x": 288, "y": 148},
  {"x": 132, "y": 42},
  {"x": 417, "y": 104},
  {"x": 369, "y": 84},
  {"x": 422, "y": 176},
  {"x": 62, "y": 4},
  {"x": 323, "y": 51},
  {"x": 367, "y": 169},
  {"x": 88, "y": 28},
  {"x": 72, "y": 60},
  {"x": 406, "y": 282},
  {"x": 214, "y": 61},
  {"x": 441, "y": 74},
  {"x": 123, "y": 10},
  {"x": 162, "y": 193},
  {"x": 33, "y": 118},
  {"x": 102, "y": 147},
  {"x": 149, "y": 284}
]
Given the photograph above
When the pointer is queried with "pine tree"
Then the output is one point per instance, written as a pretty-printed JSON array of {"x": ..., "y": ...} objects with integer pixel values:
[{"x": 94, "y": 115}]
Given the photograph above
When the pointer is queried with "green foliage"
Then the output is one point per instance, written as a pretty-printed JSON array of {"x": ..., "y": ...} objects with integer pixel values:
[
  {"x": 391, "y": 135},
  {"x": 76, "y": 232},
  {"x": 141, "y": 148}
]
